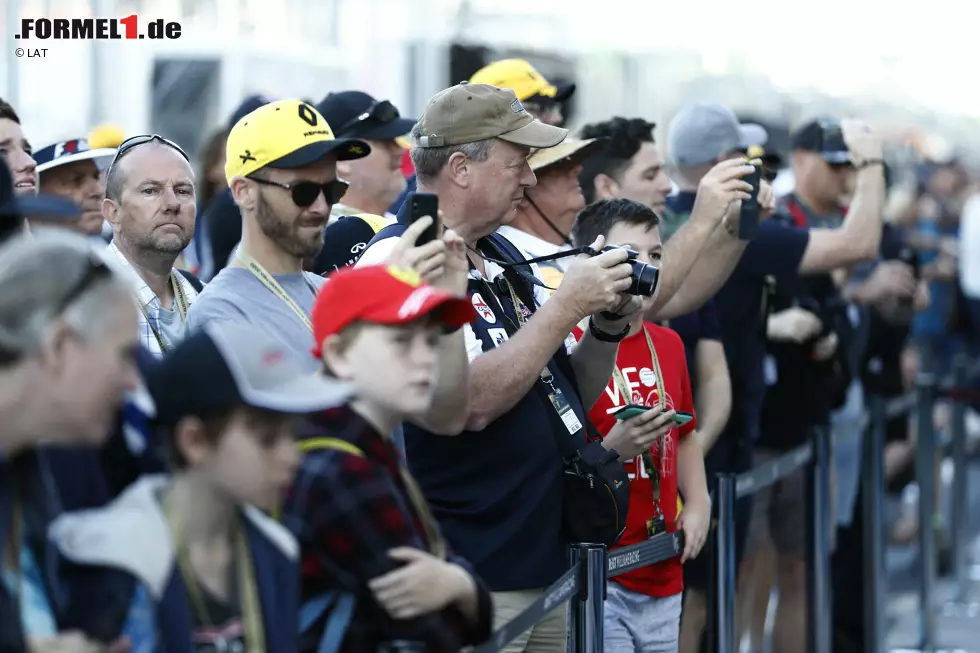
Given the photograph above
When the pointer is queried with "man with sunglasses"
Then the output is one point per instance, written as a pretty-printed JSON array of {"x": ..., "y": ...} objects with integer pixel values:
[
  {"x": 375, "y": 180},
  {"x": 150, "y": 204},
  {"x": 281, "y": 166}
]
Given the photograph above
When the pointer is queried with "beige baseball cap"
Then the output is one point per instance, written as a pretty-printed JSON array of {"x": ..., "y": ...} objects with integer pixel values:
[
  {"x": 467, "y": 113},
  {"x": 575, "y": 149}
]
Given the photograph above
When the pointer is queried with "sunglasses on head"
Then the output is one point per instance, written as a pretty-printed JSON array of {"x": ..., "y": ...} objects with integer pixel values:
[
  {"x": 381, "y": 112},
  {"x": 305, "y": 192},
  {"x": 133, "y": 142}
]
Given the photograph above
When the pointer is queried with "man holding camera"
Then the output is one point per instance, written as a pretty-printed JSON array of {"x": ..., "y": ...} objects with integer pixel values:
[{"x": 497, "y": 489}]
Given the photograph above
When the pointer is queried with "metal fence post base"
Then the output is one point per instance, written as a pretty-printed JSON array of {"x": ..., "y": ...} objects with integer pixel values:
[
  {"x": 586, "y": 609},
  {"x": 819, "y": 544},
  {"x": 721, "y": 621},
  {"x": 873, "y": 537},
  {"x": 925, "y": 459},
  {"x": 958, "y": 527}
]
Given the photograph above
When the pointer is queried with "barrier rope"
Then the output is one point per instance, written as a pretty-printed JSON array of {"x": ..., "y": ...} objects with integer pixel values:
[
  {"x": 775, "y": 470},
  {"x": 650, "y": 552}
]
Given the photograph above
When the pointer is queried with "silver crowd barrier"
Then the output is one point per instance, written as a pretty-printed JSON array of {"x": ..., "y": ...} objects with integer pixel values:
[
  {"x": 584, "y": 585},
  {"x": 927, "y": 391}
]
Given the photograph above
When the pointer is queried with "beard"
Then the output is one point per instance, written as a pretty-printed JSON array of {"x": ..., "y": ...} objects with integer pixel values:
[
  {"x": 163, "y": 243},
  {"x": 287, "y": 234}
]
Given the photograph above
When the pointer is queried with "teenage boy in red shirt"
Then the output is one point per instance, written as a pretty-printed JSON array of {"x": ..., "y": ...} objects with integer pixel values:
[{"x": 643, "y": 607}]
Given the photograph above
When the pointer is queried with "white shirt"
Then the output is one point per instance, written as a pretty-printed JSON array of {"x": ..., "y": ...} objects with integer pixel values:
[{"x": 970, "y": 248}]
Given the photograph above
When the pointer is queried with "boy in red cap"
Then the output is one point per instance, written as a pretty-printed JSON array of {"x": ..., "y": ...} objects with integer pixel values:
[{"x": 376, "y": 569}]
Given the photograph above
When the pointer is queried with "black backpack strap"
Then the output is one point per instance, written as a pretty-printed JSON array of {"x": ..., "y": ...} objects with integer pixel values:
[{"x": 196, "y": 283}]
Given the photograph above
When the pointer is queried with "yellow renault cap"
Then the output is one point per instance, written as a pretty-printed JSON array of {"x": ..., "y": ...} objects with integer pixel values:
[
  {"x": 285, "y": 134},
  {"x": 522, "y": 78}
]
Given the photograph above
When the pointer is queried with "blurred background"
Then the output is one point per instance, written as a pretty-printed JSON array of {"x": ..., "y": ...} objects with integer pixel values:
[{"x": 775, "y": 62}]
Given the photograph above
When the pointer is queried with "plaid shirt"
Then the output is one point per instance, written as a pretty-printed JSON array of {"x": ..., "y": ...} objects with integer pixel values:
[
  {"x": 148, "y": 298},
  {"x": 347, "y": 512}
]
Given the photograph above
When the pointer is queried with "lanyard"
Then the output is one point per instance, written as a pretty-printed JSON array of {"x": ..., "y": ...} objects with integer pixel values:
[
  {"x": 249, "y": 596},
  {"x": 437, "y": 545},
  {"x": 253, "y": 266},
  {"x": 180, "y": 299},
  {"x": 653, "y": 471}
]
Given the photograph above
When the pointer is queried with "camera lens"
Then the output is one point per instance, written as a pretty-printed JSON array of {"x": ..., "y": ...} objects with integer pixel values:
[{"x": 644, "y": 278}]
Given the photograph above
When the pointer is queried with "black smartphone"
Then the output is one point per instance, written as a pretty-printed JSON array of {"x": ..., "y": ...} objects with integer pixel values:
[
  {"x": 748, "y": 220},
  {"x": 422, "y": 204}
]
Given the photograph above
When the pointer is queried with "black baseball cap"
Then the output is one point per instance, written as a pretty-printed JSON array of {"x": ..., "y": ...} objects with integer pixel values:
[
  {"x": 345, "y": 240},
  {"x": 221, "y": 368},
  {"x": 355, "y": 114},
  {"x": 825, "y": 137}
]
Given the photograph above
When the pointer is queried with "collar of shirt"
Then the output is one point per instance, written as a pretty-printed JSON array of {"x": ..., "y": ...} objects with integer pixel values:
[{"x": 143, "y": 291}]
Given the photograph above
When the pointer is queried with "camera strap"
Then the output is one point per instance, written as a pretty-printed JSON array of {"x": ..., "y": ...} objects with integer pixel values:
[{"x": 526, "y": 273}]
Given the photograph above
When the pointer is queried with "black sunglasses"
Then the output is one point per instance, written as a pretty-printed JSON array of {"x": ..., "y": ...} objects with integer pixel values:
[
  {"x": 95, "y": 269},
  {"x": 382, "y": 112},
  {"x": 305, "y": 192},
  {"x": 133, "y": 142}
]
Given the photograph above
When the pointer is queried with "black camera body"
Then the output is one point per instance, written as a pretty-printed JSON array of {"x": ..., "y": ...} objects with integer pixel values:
[{"x": 644, "y": 277}]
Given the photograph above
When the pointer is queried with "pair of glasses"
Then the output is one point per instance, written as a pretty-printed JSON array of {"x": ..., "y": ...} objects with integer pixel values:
[
  {"x": 381, "y": 112},
  {"x": 305, "y": 192},
  {"x": 133, "y": 142}
]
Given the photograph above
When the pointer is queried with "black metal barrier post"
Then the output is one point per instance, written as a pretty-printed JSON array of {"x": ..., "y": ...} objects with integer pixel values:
[
  {"x": 819, "y": 544},
  {"x": 723, "y": 623},
  {"x": 586, "y": 614},
  {"x": 925, "y": 458},
  {"x": 872, "y": 492},
  {"x": 958, "y": 528}
]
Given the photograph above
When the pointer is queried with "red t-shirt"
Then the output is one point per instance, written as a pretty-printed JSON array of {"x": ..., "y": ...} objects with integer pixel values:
[{"x": 636, "y": 365}]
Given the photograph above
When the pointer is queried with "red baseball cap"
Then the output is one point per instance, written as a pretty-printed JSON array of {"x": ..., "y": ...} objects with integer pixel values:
[{"x": 382, "y": 294}]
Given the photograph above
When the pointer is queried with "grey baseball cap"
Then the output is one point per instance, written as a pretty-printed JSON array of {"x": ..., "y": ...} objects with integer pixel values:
[
  {"x": 700, "y": 133},
  {"x": 217, "y": 369}
]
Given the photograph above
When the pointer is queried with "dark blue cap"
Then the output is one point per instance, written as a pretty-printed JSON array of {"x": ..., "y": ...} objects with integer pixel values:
[
  {"x": 355, "y": 114},
  {"x": 248, "y": 105},
  {"x": 825, "y": 137},
  {"x": 343, "y": 243}
]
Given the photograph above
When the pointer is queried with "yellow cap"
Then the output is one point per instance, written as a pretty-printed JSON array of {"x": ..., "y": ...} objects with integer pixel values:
[
  {"x": 521, "y": 77},
  {"x": 285, "y": 134},
  {"x": 105, "y": 135}
]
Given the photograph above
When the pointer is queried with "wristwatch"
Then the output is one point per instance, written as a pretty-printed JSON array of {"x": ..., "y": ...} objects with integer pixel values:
[{"x": 603, "y": 336}]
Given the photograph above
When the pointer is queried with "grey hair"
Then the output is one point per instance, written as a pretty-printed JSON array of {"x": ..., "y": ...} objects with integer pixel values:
[
  {"x": 37, "y": 274},
  {"x": 430, "y": 161}
]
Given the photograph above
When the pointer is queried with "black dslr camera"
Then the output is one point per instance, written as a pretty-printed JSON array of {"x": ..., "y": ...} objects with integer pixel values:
[{"x": 644, "y": 276}]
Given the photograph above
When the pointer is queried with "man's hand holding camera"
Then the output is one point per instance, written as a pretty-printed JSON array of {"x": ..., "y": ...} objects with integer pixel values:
[{"x": 596, "y": 284}]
